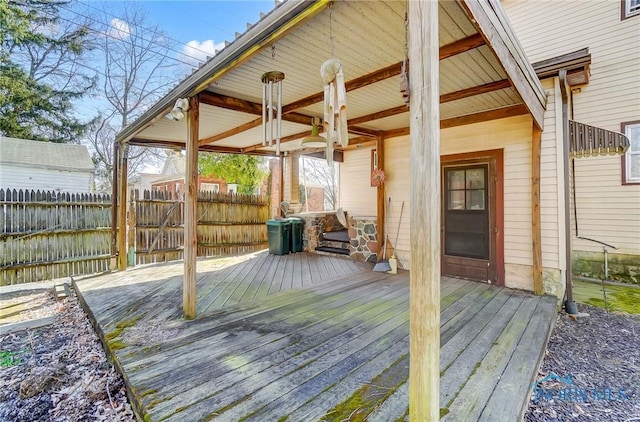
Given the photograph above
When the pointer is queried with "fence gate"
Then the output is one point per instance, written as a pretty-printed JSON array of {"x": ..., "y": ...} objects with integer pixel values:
[{"x": 228, "y": 224}]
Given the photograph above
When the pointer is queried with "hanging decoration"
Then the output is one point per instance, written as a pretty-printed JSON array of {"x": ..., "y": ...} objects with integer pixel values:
[
  {"x": 272, "y": 90},
  {"x": 404, "y": 74},
  {"x": 377, "y": 177},
  {"x": 335, "y": 98},
  {"x": 335, "y": 102}
]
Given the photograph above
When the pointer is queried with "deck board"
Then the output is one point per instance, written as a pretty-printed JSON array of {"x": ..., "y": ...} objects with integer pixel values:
[{"x": 296, "y": 336}]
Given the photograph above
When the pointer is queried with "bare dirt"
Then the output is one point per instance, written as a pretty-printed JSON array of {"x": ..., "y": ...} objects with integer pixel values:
[{"x": 58, "y": 372}]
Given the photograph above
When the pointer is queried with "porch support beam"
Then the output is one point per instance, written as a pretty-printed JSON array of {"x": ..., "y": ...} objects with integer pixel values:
[
  {"x": 236, "y": 104},
  {"x": 190, "y": 211},
  {"x": 424, "y": 297},
  {"x": 457, "y": 47},
  {"x": 483, "y": 116},
  {"x": 380, "y": 194},
  {"x": 122, "y": 206},
  {"x": 114, "y": 207},
  {"x": 281, "y": 171},
  {"x": 536, "y": 230}
]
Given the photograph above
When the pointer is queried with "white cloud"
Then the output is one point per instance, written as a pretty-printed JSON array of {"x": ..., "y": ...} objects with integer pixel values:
[
  {"x": 119, "y": 29},
  {"x": 198, "y": 51}
]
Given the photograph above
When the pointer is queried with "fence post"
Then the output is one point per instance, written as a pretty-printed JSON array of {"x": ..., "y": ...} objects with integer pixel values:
[{"x": 132, "y": 228}]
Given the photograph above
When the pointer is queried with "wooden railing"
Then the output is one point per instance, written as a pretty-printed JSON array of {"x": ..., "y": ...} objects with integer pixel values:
[{"x": 47, "y": 235}]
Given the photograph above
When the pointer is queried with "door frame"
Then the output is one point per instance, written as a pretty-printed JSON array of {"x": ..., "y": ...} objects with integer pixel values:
[{"x": 495, "y": 158}]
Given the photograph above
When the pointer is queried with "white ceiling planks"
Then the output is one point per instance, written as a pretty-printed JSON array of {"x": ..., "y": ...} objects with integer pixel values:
[{"x": 367, "y": 36}]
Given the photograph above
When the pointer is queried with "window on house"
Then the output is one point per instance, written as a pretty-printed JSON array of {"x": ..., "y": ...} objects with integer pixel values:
[
  {"x": 631, "y": 159},
  {"x": 210, "y": 187},
  {"x": 232, "y": 188},
  {"x": 630, "y": 8}
]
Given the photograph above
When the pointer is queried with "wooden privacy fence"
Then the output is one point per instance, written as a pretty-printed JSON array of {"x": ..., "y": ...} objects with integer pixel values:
[
  {"x": 228, "y": 224},
  {"x": 48, "y": 235}
]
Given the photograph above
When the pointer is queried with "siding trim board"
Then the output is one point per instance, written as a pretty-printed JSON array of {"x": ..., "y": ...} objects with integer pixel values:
[{"x": 623, "y": 164}]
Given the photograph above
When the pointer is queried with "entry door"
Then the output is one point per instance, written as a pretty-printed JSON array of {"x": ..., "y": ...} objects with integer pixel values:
[{"x": 468, "y": 251}]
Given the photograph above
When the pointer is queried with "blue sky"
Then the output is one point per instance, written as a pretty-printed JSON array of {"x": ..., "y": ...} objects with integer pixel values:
[{"x": 203, "y": 25}]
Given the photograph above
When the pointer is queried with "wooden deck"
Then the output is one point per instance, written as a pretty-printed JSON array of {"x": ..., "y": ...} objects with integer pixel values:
[{"x": 304, "y": 337}]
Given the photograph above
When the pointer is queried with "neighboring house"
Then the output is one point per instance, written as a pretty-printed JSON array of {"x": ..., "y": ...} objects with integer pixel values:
[
  {"x": 142, "y": 181},
  {"x": 171, "y": 179},
  {"x": 46, "y": 166},
  {"x": 606, "y": 201}
]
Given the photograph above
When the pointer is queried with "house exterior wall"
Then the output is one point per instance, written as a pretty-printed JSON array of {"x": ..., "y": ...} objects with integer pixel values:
[
  {"x": 513, "y": 136},
  {"x": 607, "y": 210},
  {"x": 22, "y": 177},
  {"x": 356, "y": 196}
]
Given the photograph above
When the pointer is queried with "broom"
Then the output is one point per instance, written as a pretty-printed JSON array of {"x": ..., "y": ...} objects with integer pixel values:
[
  {"x": 393, "y": 261},
  {"x": 382, "y": 266}
]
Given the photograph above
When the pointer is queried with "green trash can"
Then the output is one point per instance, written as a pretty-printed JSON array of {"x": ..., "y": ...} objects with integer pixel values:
[
  {"x": 297, "y": 229},
  {"x": 279, "y": 236}
]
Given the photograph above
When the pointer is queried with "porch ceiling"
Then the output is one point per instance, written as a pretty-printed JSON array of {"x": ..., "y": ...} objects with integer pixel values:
[{"x": 369, "y": 39}]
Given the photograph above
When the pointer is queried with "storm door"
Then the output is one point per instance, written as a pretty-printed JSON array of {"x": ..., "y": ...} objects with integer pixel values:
[{"x": 468, "y": 200}]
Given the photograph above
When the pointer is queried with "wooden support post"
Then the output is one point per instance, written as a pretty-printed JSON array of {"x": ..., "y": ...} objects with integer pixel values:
[
  {"x": 536, "y": 230},
  {"x": 122, "y": 206},
  {"x": 281, "y": 171},
  {"x": 295, "y": 178},
  {"x": 424, "y": 297},
  {"x": 190, "y": 211},
  {"x": 114, "y": 207},
  {"x": 131, "y": 242},
  {"x": 381, "y": 200}
]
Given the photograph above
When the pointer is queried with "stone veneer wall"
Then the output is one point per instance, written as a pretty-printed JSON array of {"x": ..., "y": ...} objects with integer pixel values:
[
  {"x": 314, "y": 225},
  {"x": 363, "y": 232},
  {"x": 363, "y": 235}
]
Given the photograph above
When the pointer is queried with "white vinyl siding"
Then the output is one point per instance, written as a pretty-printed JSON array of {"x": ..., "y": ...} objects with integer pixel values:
[
  {"x": 20, "y": 177},
  {"x": 357, "y": 197},
  {"x": 513, "y": 135},
  {"x": 607, "y": 210}
]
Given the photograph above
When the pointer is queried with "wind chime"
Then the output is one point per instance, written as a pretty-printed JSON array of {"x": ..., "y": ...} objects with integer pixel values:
[
  {"x": 272, "y": 89},
  {"x": 404, "y": 74},
  {"x": 335, "y": 100}
]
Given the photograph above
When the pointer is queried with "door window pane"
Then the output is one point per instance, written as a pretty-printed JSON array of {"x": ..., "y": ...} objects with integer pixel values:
[
  {"x": 475, "y": 178},
  {"x": 475, "y": 199},
  {"x": 456, "y": 200},
  {"x": 456, "y": 179}
]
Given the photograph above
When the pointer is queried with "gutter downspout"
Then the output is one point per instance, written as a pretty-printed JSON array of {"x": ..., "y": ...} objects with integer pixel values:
[{"x": 569, "y": 304}]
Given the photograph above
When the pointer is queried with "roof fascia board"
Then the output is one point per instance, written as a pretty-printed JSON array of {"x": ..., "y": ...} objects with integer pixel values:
[
  {"x": 580, "y": 59},
  {"x": 275, "y": 25},
  {"x": 494, "y": 27}
]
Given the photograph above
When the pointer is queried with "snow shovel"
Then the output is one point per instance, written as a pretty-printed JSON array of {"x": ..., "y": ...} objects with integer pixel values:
[
  {"x": 383, "y": 265},
  {"x": 393, "y": 261}
]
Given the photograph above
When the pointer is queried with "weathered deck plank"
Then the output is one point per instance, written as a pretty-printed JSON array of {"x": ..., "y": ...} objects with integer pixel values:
[{"x": 294, "y": 336}]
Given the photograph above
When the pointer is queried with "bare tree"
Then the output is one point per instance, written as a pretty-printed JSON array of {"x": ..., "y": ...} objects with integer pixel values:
[
  {"x": 137, "y": 70},
  {"x": 318, "y": 171},
  {"x": 137, "y": 64},
  {"x": 101, "y": 141}
]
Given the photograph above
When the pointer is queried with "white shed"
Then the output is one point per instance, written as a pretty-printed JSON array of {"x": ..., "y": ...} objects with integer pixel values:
[{"x": 48, "y": 166}]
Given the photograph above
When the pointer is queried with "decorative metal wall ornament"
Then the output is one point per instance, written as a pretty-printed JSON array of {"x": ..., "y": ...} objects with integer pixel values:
[{"x": 272, "y": 89}]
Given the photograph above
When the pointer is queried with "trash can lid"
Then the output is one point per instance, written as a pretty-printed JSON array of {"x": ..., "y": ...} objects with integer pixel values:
[{"x": 278, "y": 222}]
